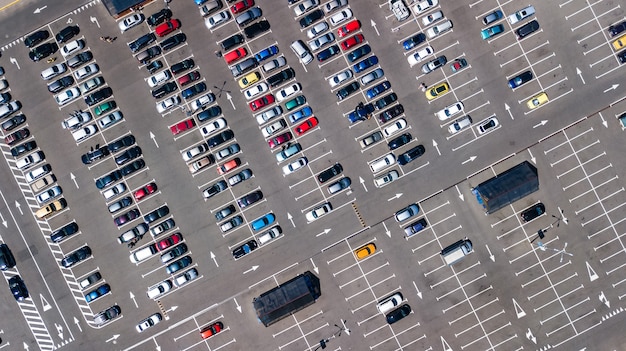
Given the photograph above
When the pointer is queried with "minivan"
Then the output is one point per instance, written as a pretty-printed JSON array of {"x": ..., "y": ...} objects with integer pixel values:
[
  {"x": 37, "y": 173},
  {"x": 383, "y": 163},
  {"x": 302, "y": 52},
  {"x": 456, "y": 251},
  {"x": 243, "y": 67},
  {"x": 527, "y": 29}
]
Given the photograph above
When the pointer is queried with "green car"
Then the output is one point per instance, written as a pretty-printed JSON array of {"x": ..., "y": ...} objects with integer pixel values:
[
  {"x": 293, "y": 103},
  {"x": 104, "y": 107}
]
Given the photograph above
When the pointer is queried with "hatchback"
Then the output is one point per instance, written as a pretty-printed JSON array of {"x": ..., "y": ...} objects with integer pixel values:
[{"x": 263, "y": 222}]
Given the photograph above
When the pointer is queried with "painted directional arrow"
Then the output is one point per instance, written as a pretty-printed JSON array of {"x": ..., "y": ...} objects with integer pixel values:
[
  {"x": 252, "y": 269},
  {"x": 132, "y": 297},
  {"x": 19, "y": 207},
  {"x": 387, "y": 230},
  {"x": 461, "y": 196},
  {"x": 73, "y": 177},
  {"x": 542, "y": 123},
  {"x": 154, "y": 139},
  {"x": 172, "y": 309},
  {"x": 419, "y": 293},
  {"x": 532, "y": 158},
  {"x": 436, "y": 146},
  {"x": 77, "y": 322},
  {"x": 4, "y": 222},
  {"x": 508, "y": 109},
  {"x": 471, "y": 159},
  {"x": 113, "y": 338},
  {"x": 290, "y": 218},
  {"x": 396, "y": 196},
  {"x": 530, "y": 336},
  {"x": 213, "y": 258},
  {"x": 604, "y": 300},
  {"x": 237, "y": 304},
  {"x": 39, "y": 9},
  {"x": 14, "y": 61},
  {"x": 491, "y": 256},
  {"x": 613, "y": 87},
  {"x": 59, "y": 330},
  {"x": 580, "y": 74},
  {"x": 324, "y": 232},
  {"x": 94, "y": 20},
  {"x": 604, "y": 122},
  {"x": 315, "y": 268},
  {"x": 230, "y": 98},
  {"x": 363, "y": 183},
  {"x": 374, "y": 25}
]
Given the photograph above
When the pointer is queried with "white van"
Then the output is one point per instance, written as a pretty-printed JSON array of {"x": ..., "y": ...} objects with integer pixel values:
[
  {"x": 143, "y": 254},
  {"x": 456, "y": 251},
  {"x": 302, "y": 52},
  {"x": 383, "y": 163}
]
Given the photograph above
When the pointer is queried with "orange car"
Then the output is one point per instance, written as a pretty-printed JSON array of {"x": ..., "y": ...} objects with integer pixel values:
[
  {"x": 229, "y": 166},
  {"x": 211, "y": 330}
]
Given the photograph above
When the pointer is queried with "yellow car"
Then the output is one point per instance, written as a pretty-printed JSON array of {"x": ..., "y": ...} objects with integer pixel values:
[
  {"x": 249, "y": 79},
  {"x": 620, "y": 42},
  {"x": 437, "y": 91},
  {"x": 365, "y": 251},
  {"x": 537, "y": 100},
  {"x": 51, "y": 208}
]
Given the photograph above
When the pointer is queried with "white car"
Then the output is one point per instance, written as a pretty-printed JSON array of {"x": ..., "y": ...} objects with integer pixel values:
[
  {"x": 114, "y": 191},
  {"x": 395, "y": 127},
  {"x": 334, "y": 4},
  {"x": 84, "y": 133},
  {"x": 488, "y": 125},
  {"x": 86, "y": 71},
  {"x": 159, "y": 289},
  {"x": 269, "y": 235},
  {"x": 213, "y": 127},
  {"x": 521, "y": 14},
  {"x": 269, "y": 114},
  {"x": 159, "y": 78},
  {"x": 450, "y": 111},
  {"x": 340, "y": 78},
  {"x": 195, "y": 151},
  {"x": 3, "y": 84},
  {"x": 372, "y": 76},
  {"x": 317, "y": 29},
  {"x": 295, "y": 165},
  {"x": 202, "y": 101},
  {"x": 432, "y": 18},
  {"x": 274, "y": 64},
  {"x": 91, "y": 84},
  {"x": 76, "y": 120},
  {"x": 67, "y": 96},
  {"x": 304, "y": 7},
  {"x": 288, "y": 91},
  {"x": 186, "y": 277},
  {"x": 255, "y": 90},
  {"x": 320, "y": 42},
  {"x": 340, "y": 17},
  {"x": 167, "y": 103},
  {"x": 130, "y": 21},
  {"x": 389, "y": 303},
  {"x": 460, "y": 124},
  {"x": 29, "y": 160},
  {"x": 227, "y": 151},
  {"x": 439, "y": 29},
  {"x": 420, "y": 55},
  {"x": 217, "y": 19},
  {"x": 274, "y": 128},
  {"x": 8, "y": 109},
  {"x": 48, "y": 195},
  {"x": 149, "y": 322},
  {"x": 386, "y": 179},
  {"x": 425, "y": 6},
  {"x": 319, "y": 212},
  {"x": 110, "y": 119},
  {"x": 72, "y": 47}
]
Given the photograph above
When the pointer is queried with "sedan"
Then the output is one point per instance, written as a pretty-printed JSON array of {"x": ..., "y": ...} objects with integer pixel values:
[
  {"x": 352, "y": 41},
  {"x": 450, "y": 111},
  {"x": 311, "y": 18},
  {"x": 319, "y": 212},
  {"x": 520, "y": 79},
  {"x": 144, "y": 191},
  {"x": 173, "y": 41},
  {"x": 231, "y": 224},
  {"x": 130, "y": 21},
  {"x": 391, "y": 113},
  {"x": 133, "y": 167},
  {"x": 413, "y": 41},
  {"x": 288, "y": 91},
  {"x": 295, "y": 165},
  {"x": 224, "y": 212},
  {"x": 261, "y": 102},
  {"x": 149, "y": 322},
  {"x": 533, "y": 212},
  {"x": 340, "y": 78},
  {"x": 182, "y": 126},
  {"x": 277, "y": 141},
  {"x": 398, "y": 314},
  {"x": 359, "y": 52},
  {"x": 434, "y": 64},
  {"x": 371, "y": 139},
  {"x": 349, "y": 28},
  {"x": 306, "y": 126},
  {"x": 376, "y": 90},
  {"x": 126, "y": 217},
  {"x": 214, "y": 189},
  {"x": 173, "y": 253},
  {"x": 213, "y": 127},
  {"x": 240, "y": 177},
  {"x": 492, "y": 17},
  {"x": 159, "y": 289},
  {"x": 107, "y": 315},
  {"x": 228, "y": 166},
  {"x": 437, "y": 91},
  {"x": 79, "y": 255},
  {"x": 420, "y": 55},
  {"x": 317, "y": 30},
  {"x": 72, "y": 47},
  {"x": 255, "y": 90},
  {"x": 241, "y": 6},
  {"x": 194, "y": 90},
  {"x": 250, "y": 199},
  {"x": 537, "y": 100},
  {"x": 167, "y": 104},
  {"x": 492, "y": 31},
  {"x": 488, "y": 125},
  {"x": 97, "y": 293},
  {"x": 400, "y": 141},
  {"x": 432, "y": 18},
  {"x": 64, "y": 232},
  {"x": 178, "y": 265},
  {"x": 327, "y": 53},
  {"x": 407, "y": 212},
  {"x": 322, "y": 41},
  {"x": 245, "y": 249},
  {"x": 365, "y": 64},
  {"x": 330, "y": 173},
  {"x": 67, "y": 96},
  {"x": 186, "y": 277},
  {"x": 128, "y": 155},
  {"x": 134, "y": 234},
  {"x": 617, "y": 29},
  {"x": 156, "y": 214}
]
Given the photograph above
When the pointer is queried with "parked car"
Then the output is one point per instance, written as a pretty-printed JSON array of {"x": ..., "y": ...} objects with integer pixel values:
[
  {"x": 244, "y": 249},
  {"x": 76, "y": 256}
]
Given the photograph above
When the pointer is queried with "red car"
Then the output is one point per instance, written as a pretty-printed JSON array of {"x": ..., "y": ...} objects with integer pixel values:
[
  {"x": 146, "y": 190},
  {"x": 182, "y": 126},
  {"x": 348, "y": 28},
  {"x": 352, "y": 41},
  {"x": 169, "y": 241},
  {"x": 306, "y": 125},
  {"x": 283, "y": 138},
  {"x": 166, "y": 28},
  {"x": 235, "y": 55},
  {"x": 211, "y": 330},
  {"x": 242, "y": 6},
  {"x": 261, "y": 102},
  {"x": 228, "y": 166},
  {"x": 188, "y": 78}
]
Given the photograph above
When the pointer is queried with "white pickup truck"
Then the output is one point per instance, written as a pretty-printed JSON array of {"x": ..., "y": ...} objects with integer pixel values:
[{"x": 399, "y": 9}]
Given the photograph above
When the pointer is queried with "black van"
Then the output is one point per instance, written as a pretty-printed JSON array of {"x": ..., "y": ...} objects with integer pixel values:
[{"x": 527, "y": 29}]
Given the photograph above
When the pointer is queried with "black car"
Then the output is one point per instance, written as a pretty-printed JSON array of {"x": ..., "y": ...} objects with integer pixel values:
[
  {"x": 42, "y": 51},
  {"x": 347, "y": 90},
  {"x": 194, "y": 90},
  {"x": 165, "y": 89},
  {"x": 250, "y": 199},
  {"x": 60, "y": 84},
  {"x": 18, "y": 288},
  {"x": 281, "y": 76},
  {"x": 80, "y": 59},
  {"x": 148, "y": 54},
  {"x": 133, "y": 167},
  {"x": 391, "y": 113},
  {"x": 13, "y": 122},
  {"x": 173, "y": 41},
  {"x": 182, "y": 66},
  {"x": 310, "y": 18},
  {"x": 156, "y": 214},
  {"x": 6, "y": 258},
  {"x": 159, "y": 17},
  {"x": 126, "y": 141},
  {"x": 232, "y": 41},
  {"x": 67, "y": 33},
  {"x": 128, "y": 155},
  {"x": 385, "y": 101},
  {"x": 5, "y": 98},
  {"x": 411, "y": 155},
  {"x": 142, "y": 42},
  {"x": 209, "y": 113},
  {"x": 533, "y": 212},
  {"x": 400, "y": 141},
  {"x": 398, "y": 313},
  {"x": 220, "y": 138},
  {"x": 215, "y": 189},
  {"x": 328, "y": 53},
  {"x": 98, "y": 96},
  {"x": 36, "y": 38},
  {"x": 617, "y": 29},
  {"x": 359, "y": 52},
  {"x": 94, "y": 155},
  {"x": 622, "y": 57},
  {"x": 154, "y": 66},
  {"x": 76, "y": 256},
  {"x": 255, "y": 29},
  {"x": 329, "y": 173},
  {"x": 22, "y": 148},
  {"x": 245, "y": 249},
  {"x": 62, "y": 233},
  {"x": 527, "y": 29},
  {"x": 101, "y": 183}
]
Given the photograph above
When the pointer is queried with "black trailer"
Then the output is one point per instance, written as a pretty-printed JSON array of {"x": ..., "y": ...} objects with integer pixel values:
[
  {"x": 287, "y": 298},
  {"x": 507, "y": 187}
]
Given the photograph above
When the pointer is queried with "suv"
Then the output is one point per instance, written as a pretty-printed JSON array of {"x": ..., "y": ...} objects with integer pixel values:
[
  {"x": 98, "y": 96},
  {"x": 159, "y": 17},
  {"x": 527, "y": 29},
  {"x": 232, "y": 41},
  {"x": 36, "y": 38},
  {"x": 329, "y": 173},
  {"x": 142, "y": 42},
  {"x": 79, "y": 59},
  {"x": 67, "y": 33},
  {"x": 60, "y": 84},
  {"x": 182, "y": 66},
  {"x": 255, "y": 29},
  {"x": 347, "y": 90},
  {"x": 281, "y": 76},
  {"x": 42, "y": 51}
]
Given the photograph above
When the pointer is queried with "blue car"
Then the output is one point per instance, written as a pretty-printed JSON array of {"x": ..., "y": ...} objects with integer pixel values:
[
  {"x": 413, "y": 41},
  {"x": 359, "y": 52},
  {"x": 328, "y": 53},
  {"x": 300, "y": 114},
  {"x": 200, "y": 2},
  {"x": 266, "y": 53},
  {"x": 97, "y": 293},
  {"x": 263, "y": 222},
  {"x": 492, "y": 17},
  {"x": 492, "y": 31},
  {"x": 365, "y": 64},
  {"x": 361, "y": 113},
  {"x": 194, "y": 90},
  {"x": 520, "y": 79},
  {"x": 371, "y": 93}
]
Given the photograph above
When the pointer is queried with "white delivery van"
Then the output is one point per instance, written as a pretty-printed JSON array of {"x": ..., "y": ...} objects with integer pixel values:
[{"x": 456, "y": 251}]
